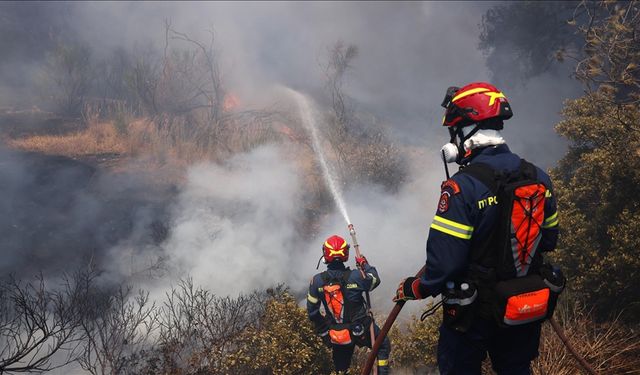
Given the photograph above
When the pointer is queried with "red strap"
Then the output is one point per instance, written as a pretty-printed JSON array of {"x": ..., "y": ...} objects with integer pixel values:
[{"x": 415, "y": 288}]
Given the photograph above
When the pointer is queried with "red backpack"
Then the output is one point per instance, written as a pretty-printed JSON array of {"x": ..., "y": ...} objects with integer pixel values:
[
  {"x": 338, "y": 306},
  {"x": 515, "y": 286},
  {"x": 511, "y": 249}
]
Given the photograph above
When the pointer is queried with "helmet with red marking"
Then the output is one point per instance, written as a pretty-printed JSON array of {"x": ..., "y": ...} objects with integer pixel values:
[
  {"x": 335, "y": 248},
  {"x": 474, "y": 103}
]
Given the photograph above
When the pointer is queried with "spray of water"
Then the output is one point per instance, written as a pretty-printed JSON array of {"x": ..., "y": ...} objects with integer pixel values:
[{"x": 308, "y": 119}]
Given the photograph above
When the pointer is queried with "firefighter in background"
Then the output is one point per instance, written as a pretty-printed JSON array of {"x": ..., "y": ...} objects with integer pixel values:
[
  {"x": 485, "y": 244},
  {"x": 345, "y": 322}
]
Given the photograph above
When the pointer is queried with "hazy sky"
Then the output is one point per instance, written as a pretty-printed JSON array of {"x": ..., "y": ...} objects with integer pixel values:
[{"x": 409, "y": 53}]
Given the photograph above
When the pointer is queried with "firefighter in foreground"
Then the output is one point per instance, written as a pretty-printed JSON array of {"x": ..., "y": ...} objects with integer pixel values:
[
  {"x": 345, "y": 322},
  {"x": 495, "y": 219}
]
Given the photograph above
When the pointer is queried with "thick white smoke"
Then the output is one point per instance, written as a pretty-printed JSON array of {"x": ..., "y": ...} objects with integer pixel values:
[
  {"x": 391, "y": 228},
  {"x": 233, "y": 225}
]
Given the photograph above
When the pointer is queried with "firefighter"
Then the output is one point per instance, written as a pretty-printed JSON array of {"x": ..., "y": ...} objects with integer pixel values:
[
  {"x": 465, "y": 246},
  {"x": 346, "y": 321}
]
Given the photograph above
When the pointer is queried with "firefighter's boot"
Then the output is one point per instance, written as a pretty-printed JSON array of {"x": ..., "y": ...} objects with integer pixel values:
[{"x": 383, "y": 367}]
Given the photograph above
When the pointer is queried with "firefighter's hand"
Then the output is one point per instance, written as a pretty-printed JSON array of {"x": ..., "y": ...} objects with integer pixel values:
[
  {"x": 361, "y": 261},
  {"x": 408, "y": 289}
]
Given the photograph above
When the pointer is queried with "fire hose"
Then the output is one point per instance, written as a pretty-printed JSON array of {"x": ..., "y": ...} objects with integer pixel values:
[
  {"x": 352, "y": 232},
  {"x": 396, "y": 310},
  {"x": 384, "y": 330}
]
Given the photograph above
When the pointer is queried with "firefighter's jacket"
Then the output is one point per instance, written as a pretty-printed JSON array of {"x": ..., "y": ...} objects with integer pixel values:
[
  {"x": 467, "y": 213},
  {"x": 356, "y": 285}
]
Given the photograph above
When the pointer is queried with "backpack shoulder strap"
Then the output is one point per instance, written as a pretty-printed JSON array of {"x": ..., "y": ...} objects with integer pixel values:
[
  {"x": 346, "y": 275},
  {"x": 483, "y": 172},
  {"x": 527, "y": 170},
  {"x": 342, "y": 279},
  {"x": 325, "y": 277}
]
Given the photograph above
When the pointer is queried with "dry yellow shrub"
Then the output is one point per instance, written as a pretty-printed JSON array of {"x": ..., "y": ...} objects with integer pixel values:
[{"x": 97, "y": 138}]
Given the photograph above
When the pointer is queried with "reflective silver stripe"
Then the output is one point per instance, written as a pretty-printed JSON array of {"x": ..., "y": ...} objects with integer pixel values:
[
  {"x": 522, "y": 268},
  {"x": 533, "y": 252},
  {"x": 462, "y": 301},
  {"x": 553, "y": 288},
  {"x": 514, "y": 252},
  {"x": 312, "y": 299},
  {"x": 374, "y": 281},
  {"x": 524, "y": 321}
]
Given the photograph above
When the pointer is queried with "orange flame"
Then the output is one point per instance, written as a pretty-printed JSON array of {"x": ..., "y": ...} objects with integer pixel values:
[{"x": 230, "y": 102}]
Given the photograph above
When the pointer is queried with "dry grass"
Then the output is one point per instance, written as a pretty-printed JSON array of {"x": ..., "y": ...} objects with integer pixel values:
[
  {"x": 610, "y": 347},
  {"x": 176, "y": 140},
  {"x": 98, "y": 138},
  {"x": 183, "y": 142}
]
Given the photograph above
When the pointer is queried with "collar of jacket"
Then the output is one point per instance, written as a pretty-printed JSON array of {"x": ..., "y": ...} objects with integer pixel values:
[
  {"x": 489, "y": 151},
  {"x": 336, "y": 266}
]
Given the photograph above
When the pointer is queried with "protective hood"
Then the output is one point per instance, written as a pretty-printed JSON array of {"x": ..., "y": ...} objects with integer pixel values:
[{"x": 483, "y": 138}]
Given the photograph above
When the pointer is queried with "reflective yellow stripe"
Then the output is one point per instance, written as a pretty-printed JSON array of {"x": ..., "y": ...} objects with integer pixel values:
[
  {"x": 383, "y": 362},
  {"x": 493, "y": 96},
  {"x": 469, "y": 92},
  {"x": 452, "y": 228},
  {"x": 547, "y": 194},
  {"x": 312, "y": 299},
  {"x": 450, "y": 232},
  {"x": 452, "y": 223},
  {"x": 551, "y": 221},
  {"x": 551, "y": 218}
]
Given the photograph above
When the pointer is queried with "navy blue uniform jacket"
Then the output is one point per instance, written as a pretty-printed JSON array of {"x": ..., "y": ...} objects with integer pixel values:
[
  {"x": 466, "y": 214},
  {"x": 356, "y": 286}
]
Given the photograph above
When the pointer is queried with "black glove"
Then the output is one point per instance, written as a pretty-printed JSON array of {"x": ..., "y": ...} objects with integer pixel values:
[{"x": 409, "y": 289}]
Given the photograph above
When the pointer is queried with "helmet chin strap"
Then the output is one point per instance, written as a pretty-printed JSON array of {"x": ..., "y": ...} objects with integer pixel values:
[{"x": 458, "y": 132}]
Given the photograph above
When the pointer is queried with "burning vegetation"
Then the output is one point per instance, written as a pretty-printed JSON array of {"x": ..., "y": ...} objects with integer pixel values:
[{"x": 119, "y": 131}]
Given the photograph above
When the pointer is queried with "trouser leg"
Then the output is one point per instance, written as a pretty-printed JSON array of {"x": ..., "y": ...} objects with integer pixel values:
[
  {"x": 384, "y": 351},
  {"x": 512, "y": 349},
  {"x": 342, "y": 357},
  {"x": 463, "y": 353}
]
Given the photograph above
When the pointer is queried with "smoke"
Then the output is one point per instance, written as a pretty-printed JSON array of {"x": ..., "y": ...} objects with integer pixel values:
[
  {"x": 409, "y": 53},
  {"x": 232, "y": 227},
  {"x": 392, "y": 229}
]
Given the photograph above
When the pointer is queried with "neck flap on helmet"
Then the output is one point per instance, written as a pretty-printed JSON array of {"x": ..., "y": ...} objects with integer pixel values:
[{"x": 464, "y": 156}]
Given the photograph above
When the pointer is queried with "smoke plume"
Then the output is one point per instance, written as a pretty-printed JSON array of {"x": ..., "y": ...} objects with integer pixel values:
[{"x": 233, "y": 226}]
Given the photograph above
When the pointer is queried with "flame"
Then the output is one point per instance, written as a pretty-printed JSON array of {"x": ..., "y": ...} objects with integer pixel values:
[{"x": 230, "y": 102}]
